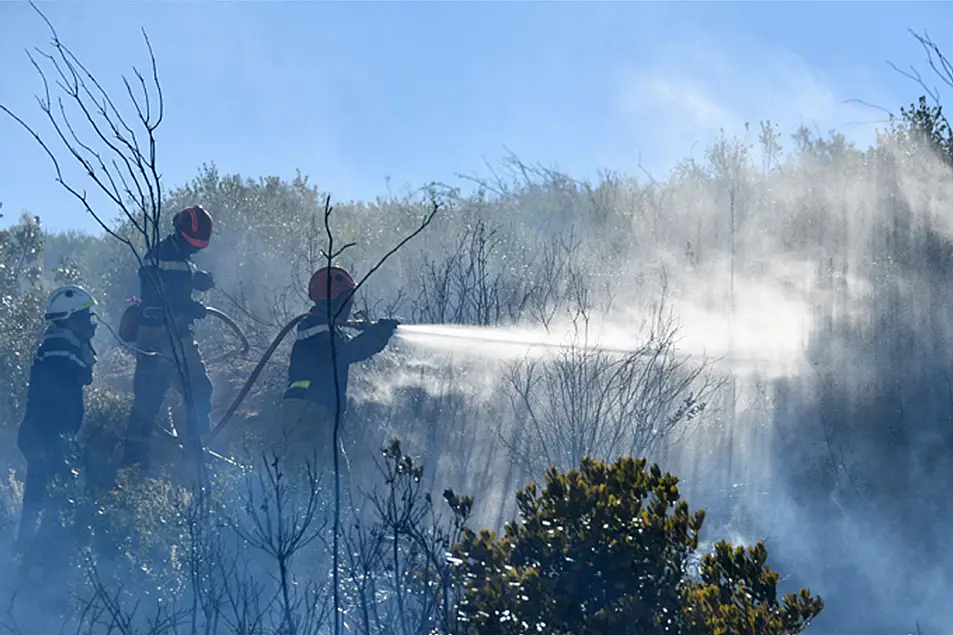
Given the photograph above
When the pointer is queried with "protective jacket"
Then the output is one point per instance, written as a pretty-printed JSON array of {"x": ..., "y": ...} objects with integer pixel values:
[
  {"x": 310, "y": 374},
  {"x": 177, "y": 275},
  {"x": 62, "y": 367}
]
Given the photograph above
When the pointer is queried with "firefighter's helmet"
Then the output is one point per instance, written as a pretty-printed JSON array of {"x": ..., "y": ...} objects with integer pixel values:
[
  {"x": 67, "y": 301},
  {"x": 194, "y": 224},
  {"x": 330, "y": 283}
]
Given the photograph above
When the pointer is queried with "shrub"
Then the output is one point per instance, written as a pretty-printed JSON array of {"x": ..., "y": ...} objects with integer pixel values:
[{"x": 609, "y": 549}]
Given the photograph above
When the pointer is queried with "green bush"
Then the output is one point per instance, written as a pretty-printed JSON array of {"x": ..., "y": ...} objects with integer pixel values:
[{"x": 608, "y": 549}]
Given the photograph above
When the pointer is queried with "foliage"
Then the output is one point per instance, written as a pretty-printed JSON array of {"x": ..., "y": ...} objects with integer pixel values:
[
  {"x": 265, "y": 559},
  {"x": 607, "y": 548},
  {"x": 924, "y": 123},
  {"x": 21, "y": 314},
  {"x": 738, "y": 594}
]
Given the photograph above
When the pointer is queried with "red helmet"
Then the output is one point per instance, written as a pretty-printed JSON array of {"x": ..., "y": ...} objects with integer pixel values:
[
  {"x": 341, "y": 284},
  {"x": 195, "y": 225}
]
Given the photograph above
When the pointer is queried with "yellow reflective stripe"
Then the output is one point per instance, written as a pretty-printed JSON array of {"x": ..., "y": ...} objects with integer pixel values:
[
  {"x": 56, "y": 296},
  {"x": 301, "y": 383},
  {"x": 85, "y": 305}
]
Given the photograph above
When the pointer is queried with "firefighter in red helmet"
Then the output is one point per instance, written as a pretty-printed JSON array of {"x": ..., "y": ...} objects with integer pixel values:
[
  {"x": 168, "y": 278},
  {"x": 310, "y": 402}
]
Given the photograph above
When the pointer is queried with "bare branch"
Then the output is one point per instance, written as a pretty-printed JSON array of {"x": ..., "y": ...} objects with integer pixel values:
[{"x": 938, "y": 63}]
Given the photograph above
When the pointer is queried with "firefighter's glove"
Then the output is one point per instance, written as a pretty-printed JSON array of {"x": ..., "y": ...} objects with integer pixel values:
[
  {"x": 387, "y": 325},
  {"x": 202, "y": 281},
  {"x": 197, "y": 311}
]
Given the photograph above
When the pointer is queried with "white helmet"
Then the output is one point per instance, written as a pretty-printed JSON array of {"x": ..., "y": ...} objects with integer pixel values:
[{"x": 67, "y": 300}]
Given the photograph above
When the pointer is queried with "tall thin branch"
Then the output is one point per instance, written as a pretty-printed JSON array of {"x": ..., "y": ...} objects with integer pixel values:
[{"x": 330, "y": 255}]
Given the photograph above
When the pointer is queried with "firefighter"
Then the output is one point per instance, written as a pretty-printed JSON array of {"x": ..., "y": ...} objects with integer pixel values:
[
  {"x": 310, "y": 403},
  {"x": 62, "y": 368},
  {"x": 168, "y": 279}
]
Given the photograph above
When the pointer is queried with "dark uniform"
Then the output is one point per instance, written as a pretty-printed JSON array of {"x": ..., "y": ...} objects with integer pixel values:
[
  {"x": 156, "y": 373},
  {"x": 309, "y": 401},
  {"x": 62, "y": 368}
]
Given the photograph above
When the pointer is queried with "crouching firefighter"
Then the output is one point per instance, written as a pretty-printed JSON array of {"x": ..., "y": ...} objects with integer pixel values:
[
  {"x": 310, "y": 403},
  {"x": 62, "y": 368},
  {"x": 167, "y": 279}
]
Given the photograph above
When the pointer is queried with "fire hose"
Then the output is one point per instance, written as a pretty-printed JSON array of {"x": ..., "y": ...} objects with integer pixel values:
[
  {"x": 235, "y": 329},
  {"x": 129, "y": 327}
]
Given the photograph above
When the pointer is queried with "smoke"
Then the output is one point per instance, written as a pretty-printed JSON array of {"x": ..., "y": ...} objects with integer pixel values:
[
  {"x": 863, "y": 329},
  {"x": 824, "y": 302}
]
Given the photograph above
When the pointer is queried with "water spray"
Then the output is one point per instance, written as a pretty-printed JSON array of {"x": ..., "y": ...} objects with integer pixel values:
[
  {"x": 490, "y": 335},
  {"x": 435, "y": 334}
]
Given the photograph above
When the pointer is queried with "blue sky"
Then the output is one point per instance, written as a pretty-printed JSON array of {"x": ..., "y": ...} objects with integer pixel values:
[{"x": 354, "y": 93}]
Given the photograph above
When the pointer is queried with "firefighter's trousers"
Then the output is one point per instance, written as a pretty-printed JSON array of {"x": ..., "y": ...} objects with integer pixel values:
[
  {"x": 44, "y": 545},
  {"x": 153, "y": 377},
  {"x": 305, "y": 436}
]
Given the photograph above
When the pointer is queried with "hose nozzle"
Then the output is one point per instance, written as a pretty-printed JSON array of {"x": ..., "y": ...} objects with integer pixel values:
[{"x": 361, "y": 325}]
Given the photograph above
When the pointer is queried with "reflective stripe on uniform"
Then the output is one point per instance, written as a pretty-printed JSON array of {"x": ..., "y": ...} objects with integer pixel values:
[
  {"x": 62, "y": 334},
  {"x": 68, "y": 355},
  {"x": 64, "y": 343},
  {"x": 154, "y": 314},
  {"x": 173, "y": 265},
  {"x": 301, "y": 383},
  {"x": 304, "y": 334}
]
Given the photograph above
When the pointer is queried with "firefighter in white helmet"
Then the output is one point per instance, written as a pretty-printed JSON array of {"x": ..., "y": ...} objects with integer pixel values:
[{"x": 62, "y": 368}]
